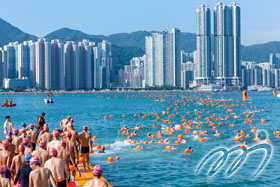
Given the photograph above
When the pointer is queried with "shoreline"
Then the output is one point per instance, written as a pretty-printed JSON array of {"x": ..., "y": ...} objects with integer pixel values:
[{"x": 110, "y": 91}]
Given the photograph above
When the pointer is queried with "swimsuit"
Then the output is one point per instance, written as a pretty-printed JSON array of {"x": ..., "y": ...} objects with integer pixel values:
[{"x": 84, "y": 149}]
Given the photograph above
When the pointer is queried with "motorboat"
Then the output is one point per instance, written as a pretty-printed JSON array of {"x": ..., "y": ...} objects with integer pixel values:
[{"x": 48, "y": 100}]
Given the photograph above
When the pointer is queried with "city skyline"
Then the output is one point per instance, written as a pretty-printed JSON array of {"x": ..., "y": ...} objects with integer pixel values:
[{"x": 257, "y": 28}]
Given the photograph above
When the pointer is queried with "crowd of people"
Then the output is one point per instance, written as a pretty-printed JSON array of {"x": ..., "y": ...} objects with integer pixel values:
[{"x": 53, "y": 163}]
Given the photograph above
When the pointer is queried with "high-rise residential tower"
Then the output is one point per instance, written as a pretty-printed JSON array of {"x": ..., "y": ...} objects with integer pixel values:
[
  {"x": 57, "y": 64},
  {"x": 162, "y": 62},
  {"x": 227, "y": 67},
  {"x": 203, "y": 63}
]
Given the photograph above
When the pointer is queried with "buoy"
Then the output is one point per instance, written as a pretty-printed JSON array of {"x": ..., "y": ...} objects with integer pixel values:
[
  {"x": 98, "y": 147},
  {"x": 242, "y": 146},
  {"x": 180, "y": 136},
  {"x": 237, "y": 139},
  {"x": 110, "y": 116},
  {"x": 171, "y": 133},
  {"x": 71, "y": 184},
  {"x": 92, "y": 151},
  {"x": 145, "y": 142},
  {"x": 154, "y": 126},
  {"x": 71, "y": 168},
  {"x": 202, "y": 139},
  {"x": 94, "y": 138},
  {"x": 263, "y": 120},
  {"x": 153, "y": 136},
  {"x": 168, "y": 147},
  {"x": 133, "y": 142},
  {"x": 111, "y": 159},
  {"x": 178, "y": 142},
  {"x": 138, "y": 147},
  {"x": 188, "y": 150},
  {"x": 82, "y": 158},
  {"x": 105, "y": 117}
]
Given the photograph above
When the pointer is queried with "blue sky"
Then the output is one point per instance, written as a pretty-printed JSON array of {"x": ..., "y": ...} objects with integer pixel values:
[{"x": 260, "y": 19}]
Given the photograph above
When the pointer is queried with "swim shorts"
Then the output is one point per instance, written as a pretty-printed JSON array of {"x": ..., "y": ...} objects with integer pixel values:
[{"x": 84, "y": 149}]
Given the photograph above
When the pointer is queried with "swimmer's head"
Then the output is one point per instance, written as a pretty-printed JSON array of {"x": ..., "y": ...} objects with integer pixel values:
[
  {"x": 27, "y": 158},
  {"x": 31, "y": 126},
  {"x": 53, "y": 152},
  {"x": 85, "y": 128},
  {"x": 6, "y": 144},
  {"x": 69, "y": 117},
  {"x": 2, "y": 169},
  {"x": 15, "y": 131},
  {"x": 23, "y": 124},
  {"x": 68, "y": 134},
  {"x": 9, "y": 138},
  {"x": 103, "y": 148},
  {"x": 55, "y": 133},
  {"x": 62, "y": 143},
  {"x": 23, "y": 130},
  {"x": 25, "y": 141},
  {"x": 97, "y": 170},
  {"x": 42, "y": 143},
  {"x": 34, "y": 161},
  {"x": 21, "y": 147}
]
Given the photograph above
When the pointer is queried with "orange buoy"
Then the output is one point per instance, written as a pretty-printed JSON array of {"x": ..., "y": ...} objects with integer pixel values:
[
  {"x": 188, "y": 150},
  {"x": 92, "y": 151},
  {"x": 237, "y": 138},
  {"x": 178, "y": 142},
  {"x": 202, "y": 139},
  {"x": 263, "y": 120},
  {"x": 105, "y": 117},
  {"x": 180, "y": 136},
  {"x": 71, "y": 184},
  {"x": 132, "y": 134},
  {"x": 171, "y": 133},
  {"x": 242, "y": 146},
  {"x": 82, "y": 158},
  {"x": 153, "y": 136},
  {"x": 94, "y": 138},
  {"x": 71, "y": 168},
  {"x": 186, "y": 131},
  {"x": 123, "y": 115},
  {"x": 168, "y": 147},
  {"x": 218, "y": 134},
  {"x": 145, "y": 142},
  {"x": 138, "y": 147},
  {"x": 133, "y": 142},
  {"x": 110, "y": 116},
  {"x": 154, "y": 126},
  {"x": 110, "y": 159},
  {"x": 98, "y": 147}
]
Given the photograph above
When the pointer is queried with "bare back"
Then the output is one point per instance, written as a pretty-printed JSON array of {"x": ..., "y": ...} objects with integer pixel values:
[
  {"x": 46, "y": 136},
  {"x": 16, "y": 141},
  {"x": 85, "y": 138},
  {"x": 58, "y": 168},
  {"x": 5, "y": 158},
  {"x": 42, "y": 154},
  {"x": 17, "y": 162},
  {"x": 96, "y": 182},
  {"x": 39, "y": 177},
  {"x": 65, "y": 155},
  {"x": 4, "y": 182}
]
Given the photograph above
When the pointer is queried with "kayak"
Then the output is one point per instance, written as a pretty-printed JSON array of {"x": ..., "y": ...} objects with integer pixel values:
[
  {"x": 86, "y": 176},
  {"x": 12, "y": 105}
]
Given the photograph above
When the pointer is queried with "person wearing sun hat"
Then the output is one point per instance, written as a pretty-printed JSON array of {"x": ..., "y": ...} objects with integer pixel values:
[{"x": 96, "y": 181}]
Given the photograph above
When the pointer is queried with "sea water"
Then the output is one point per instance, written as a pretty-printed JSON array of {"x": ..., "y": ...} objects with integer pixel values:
[{"x": 153, "y": 165}]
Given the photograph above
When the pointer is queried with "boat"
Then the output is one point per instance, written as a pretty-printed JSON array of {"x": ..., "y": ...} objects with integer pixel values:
[
  {"x": 278, "y": 95},
  {"x": 11, "y": 105},
  {"x": 86, "y": 176},
  {"x": 264, "y": 89},
  {"x": 49, "y": 99}
]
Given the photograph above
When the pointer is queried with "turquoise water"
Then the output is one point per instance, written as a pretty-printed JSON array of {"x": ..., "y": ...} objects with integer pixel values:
[{"x": 153, "y": 165}]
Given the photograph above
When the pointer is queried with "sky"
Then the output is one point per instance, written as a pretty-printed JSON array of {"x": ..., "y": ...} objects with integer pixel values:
[{"x": 260, "y": 19}]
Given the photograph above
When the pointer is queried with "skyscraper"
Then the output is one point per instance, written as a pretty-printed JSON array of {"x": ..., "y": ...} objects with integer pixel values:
[
  {"x": 162, "y": 62},
  {"x": 71, "y": 63},
  {"x": 227, "y": 67},
  {"x": 57, "y": 64},
  {"x": 203, "y": 45},
  {"x": 11, "y": 60}
]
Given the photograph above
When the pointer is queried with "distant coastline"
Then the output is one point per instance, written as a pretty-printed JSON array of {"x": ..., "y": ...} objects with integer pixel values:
[{"x": 106, "y": 91}]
